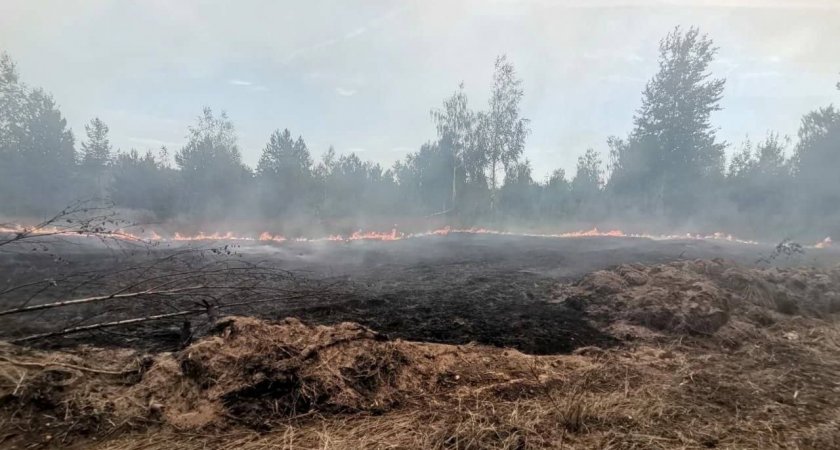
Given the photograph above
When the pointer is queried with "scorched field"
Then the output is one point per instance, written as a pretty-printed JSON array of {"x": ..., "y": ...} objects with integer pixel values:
[{"x": 463, "y": 341}]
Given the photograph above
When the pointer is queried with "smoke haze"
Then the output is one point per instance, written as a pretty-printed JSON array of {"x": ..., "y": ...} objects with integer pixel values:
[{"x": 361, "y": 78}]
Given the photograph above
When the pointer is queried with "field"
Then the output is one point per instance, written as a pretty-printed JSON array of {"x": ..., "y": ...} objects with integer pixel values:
[{"x": 460, "y": 341}]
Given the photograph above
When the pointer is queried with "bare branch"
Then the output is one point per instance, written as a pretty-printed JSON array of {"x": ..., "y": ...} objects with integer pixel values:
[
  {"x": 209, "y": 310},
  {"x": 105, "y": 325}
]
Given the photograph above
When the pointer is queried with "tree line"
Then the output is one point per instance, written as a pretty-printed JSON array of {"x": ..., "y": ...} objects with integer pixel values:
[{"x": 670, "y": 171}]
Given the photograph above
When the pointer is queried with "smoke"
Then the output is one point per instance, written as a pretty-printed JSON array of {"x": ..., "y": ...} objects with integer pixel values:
[{"x": 558, "y": 86}]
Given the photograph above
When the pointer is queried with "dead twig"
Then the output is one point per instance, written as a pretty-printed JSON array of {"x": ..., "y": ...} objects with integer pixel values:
[
  {"x": 97, "y": 299},
  {"x": 97, "y": 326},
  {"x": 37, "y": 365},
  {"x": 117, "y": 323}
]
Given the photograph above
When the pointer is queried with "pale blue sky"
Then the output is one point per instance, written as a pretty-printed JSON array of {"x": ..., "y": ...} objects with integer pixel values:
[{"x": 363, "y": 75}]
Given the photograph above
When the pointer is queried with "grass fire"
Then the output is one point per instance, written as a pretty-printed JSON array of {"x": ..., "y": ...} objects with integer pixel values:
[{"x": 487, "y": 240}]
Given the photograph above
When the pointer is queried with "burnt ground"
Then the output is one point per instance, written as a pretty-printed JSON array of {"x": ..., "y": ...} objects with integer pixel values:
[
  {"x": 685, "y": 350},
  {"x": 457, "y": 289}
]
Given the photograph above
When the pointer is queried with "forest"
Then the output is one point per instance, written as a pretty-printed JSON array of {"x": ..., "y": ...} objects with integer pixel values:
[{"x": 670, "y": 173}]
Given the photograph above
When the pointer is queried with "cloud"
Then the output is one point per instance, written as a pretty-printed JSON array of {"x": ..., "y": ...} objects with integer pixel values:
[
  {"x": 357, "y": 32},
  {"x": 345, "y": 92},
  {"x": 352, "y": 34},
  {"x": 151, "y": 142},
  {"x": 253, "y": 87},
  {"x": 762, "y": 74},
  {"x": 633, "y": 57}
]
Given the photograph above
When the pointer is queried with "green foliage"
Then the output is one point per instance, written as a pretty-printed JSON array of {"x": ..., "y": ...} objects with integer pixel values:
[
  {"x": 425, "y": 176},
  {"x": 144, "y": 182},
  {"x": 212, "y": 173},
  {"x": 284, "y": 157},
  {"x": 505, "y": 129},
  {"x": 483, "y": 144},
  {"x": 96, "y": 150},
  {"x": 211, "y": 145},
  {"x": 818, "y": 150},
  {"x": 587, "y": 183},
  {"x": 455, "y": 124},
  {"x": 673, "y": 152},
  {"x": 354, "y": 188},
  {"x": 589, "y": 175},
  {"x": 817, "y": 162},
  {"x": 759, "y": 183},
  {"x": 556, "y": 199},
  {"x": 12, "y": 100},
  {"x": 36, "y": 147},
  {"x": 284, "y": 175},
  {"x": 519, "y": 196}
]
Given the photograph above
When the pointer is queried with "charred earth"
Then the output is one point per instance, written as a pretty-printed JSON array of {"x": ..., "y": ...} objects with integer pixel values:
[{"x": 445, "y": 342}]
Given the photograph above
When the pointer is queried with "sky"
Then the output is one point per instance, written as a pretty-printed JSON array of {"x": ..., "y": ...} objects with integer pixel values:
[{"x": 362, "y": 76}]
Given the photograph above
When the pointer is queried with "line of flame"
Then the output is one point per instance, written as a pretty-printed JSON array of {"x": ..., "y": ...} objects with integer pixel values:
[{"x": 393, "y": 235}]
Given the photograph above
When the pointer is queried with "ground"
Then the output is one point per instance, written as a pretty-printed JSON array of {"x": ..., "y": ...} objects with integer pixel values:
[{"x": 467, "y": 341}]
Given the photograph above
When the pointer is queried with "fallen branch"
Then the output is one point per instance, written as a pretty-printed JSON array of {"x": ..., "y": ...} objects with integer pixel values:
[
  {"x": 97, "y": 299},
  {"x": 98, "y": 326},
  {"x": 37, "y": 365},
  {"x": 210, "y": 310}
]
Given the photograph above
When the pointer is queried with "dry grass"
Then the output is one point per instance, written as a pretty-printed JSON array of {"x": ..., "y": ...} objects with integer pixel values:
[{"x": 751, "y": 384}]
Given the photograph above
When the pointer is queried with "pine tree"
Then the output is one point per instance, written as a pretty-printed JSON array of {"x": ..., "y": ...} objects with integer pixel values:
[
  {"x": 96, "y": 150},
  {"x": 284, "y": 174}
]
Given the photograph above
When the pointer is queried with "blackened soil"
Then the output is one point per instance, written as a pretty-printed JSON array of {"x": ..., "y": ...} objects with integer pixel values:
[
  {"x": 455, "y": 289},
  {"x": 494, "y": 307}
]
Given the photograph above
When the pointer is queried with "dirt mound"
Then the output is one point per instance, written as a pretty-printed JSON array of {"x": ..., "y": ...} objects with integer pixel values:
[{"x": 702, "y": 296}]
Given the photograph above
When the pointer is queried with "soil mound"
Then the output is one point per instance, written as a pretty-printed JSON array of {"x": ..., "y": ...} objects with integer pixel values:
[{"x": 702, "y": 296}]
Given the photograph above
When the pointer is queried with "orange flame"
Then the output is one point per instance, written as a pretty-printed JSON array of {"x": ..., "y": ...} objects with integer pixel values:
[
  {"x": 229, "y": 236},
  {"x": 266, "y": 236},
  {"x": 360, "y": 235}
]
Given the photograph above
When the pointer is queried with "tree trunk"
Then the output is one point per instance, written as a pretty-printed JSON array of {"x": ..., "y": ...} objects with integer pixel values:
[
  {"x": 493, "y": 186},
  {"x": 454, "y": 176}
]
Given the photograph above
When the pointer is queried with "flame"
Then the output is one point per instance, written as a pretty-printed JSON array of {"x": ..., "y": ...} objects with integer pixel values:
[
  {"x": 375, "y": 236},
  {"x": 595, "y": 232},
  {"x": 266, "y": 236},
  {"x": 229, "y": 236},
  {"x": 361, "y": 235},
  {"x": 17, "y": 229}
]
